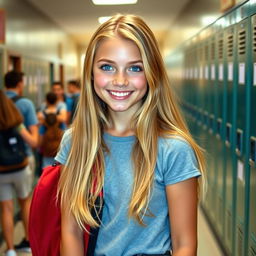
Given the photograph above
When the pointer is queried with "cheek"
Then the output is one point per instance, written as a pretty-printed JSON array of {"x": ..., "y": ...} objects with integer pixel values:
[
  {"x": 140, "y": 82},
  {"x": 100, "y": 80}
]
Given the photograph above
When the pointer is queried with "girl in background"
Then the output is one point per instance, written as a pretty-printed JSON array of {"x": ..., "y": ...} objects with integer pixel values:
[
  {"x": 129, "y": 137},
  {"x": 16, "y": 178}
]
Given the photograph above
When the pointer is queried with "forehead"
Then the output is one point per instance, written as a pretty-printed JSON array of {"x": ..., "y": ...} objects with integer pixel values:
[
  {"x": 117, "y": 47},
  {"x": 56, "y": 87}
]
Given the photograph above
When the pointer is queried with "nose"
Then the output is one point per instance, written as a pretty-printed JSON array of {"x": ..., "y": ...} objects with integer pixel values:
[{"x": 120, "y": 80}]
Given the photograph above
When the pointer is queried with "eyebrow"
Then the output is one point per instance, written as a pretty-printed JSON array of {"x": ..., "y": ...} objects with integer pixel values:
[{"x": 111, "y": 61}]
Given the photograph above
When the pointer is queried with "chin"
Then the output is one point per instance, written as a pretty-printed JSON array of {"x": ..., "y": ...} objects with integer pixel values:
[{"x": 119, "y": 108}]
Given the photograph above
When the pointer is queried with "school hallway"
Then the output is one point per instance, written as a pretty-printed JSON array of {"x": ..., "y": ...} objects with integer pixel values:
[{"x": 207, "y": 243}]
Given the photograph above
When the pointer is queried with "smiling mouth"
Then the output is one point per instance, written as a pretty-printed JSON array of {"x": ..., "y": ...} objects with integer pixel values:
[{"x": 120, "y": 94}]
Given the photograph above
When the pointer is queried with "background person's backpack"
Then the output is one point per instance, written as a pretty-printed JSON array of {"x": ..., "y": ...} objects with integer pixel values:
[
  {"x": 52, "y": 136},
  {"x": 13, "y": 155}
]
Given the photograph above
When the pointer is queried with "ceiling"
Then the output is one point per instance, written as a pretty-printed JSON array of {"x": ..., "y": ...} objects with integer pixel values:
[{"x": 79, "y": 18}]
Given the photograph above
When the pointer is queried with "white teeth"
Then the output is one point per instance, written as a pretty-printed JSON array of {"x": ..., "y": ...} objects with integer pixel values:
[{"x": 120, "y": 94}]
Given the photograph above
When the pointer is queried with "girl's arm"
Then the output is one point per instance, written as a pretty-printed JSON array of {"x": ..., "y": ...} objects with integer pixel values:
[
  {"x": 31, "y": 137},
  {"x": 182, "y": 204},
  {"x": 62, "y": 116},
  {"x": 40, "y": 117},
  {"x": 72, "y": 239}
]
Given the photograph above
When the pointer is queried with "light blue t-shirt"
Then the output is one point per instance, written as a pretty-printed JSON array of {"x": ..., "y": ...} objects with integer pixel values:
[{"x": 119, "y": 235}]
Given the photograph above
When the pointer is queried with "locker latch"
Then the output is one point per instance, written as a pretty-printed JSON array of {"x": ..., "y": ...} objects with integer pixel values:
[
  {"x": 252, "y": 151},
  {"x": 219, "y": 122},
  {"x": 228, "y": 134},
  {"x": 239, "y": 141}
]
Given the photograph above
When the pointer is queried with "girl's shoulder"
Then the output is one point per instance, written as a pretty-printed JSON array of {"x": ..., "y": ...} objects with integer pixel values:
[
  {"x": 61, "y": 105},
  {"x": 67, "y": 136},
  {"x": 173, "y": 143}
]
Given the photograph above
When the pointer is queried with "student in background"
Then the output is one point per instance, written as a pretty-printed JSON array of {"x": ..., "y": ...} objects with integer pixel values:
[
  {"x": 14, "y": 85},
  {"x": 15, "y": 173},
  {"x": 73, "y": 87},
  {"x": 58, "y": 89},
  {"x": 51, "y": 130}
]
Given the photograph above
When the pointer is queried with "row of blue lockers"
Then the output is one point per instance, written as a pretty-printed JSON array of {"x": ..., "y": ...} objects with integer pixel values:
[{"x": 215, "y": 76}]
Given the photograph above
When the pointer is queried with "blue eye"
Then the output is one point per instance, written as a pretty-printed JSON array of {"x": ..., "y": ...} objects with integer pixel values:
[
  {"x": 107, "y": 67},
  {"x": 135, "y": 68}
]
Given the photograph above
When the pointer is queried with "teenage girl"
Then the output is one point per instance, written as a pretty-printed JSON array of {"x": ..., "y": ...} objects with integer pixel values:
[
  {"x": 129, "y": 139},
  {"x": 18, "y": 179}
]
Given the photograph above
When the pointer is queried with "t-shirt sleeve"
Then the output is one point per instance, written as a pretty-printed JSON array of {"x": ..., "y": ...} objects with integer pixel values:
[
  {"x": 65, "y": 145},
  {"x": 62, "y": 106},
  {"x": 181, "y": 163},
  {"x": 28, "y": 111}
]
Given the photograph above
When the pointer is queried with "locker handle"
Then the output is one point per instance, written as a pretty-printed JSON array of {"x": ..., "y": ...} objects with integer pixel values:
[
  {"x": 239, "y": 141},
  {"x": 205, "y": 120},
  {"x": 219, "y": 121},
  {"x": 228, "y": 134},
  {"x": 252, "y": 151},
  {"x": 211, "y": 123}
]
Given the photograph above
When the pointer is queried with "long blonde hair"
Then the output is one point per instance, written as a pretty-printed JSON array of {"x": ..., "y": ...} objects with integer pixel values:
[{"x": 158, "y": 116}]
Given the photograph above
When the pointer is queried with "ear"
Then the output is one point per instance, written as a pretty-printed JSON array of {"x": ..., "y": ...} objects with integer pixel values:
[{"x": 20, "y": 85}]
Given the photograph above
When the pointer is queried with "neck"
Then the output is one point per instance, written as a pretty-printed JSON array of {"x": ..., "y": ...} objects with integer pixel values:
[
  {"x": 121, "y": 124},
  {"x": 16, "y": 90}
]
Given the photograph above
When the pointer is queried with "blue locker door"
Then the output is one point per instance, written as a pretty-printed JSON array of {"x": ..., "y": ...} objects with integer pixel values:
[
  {"x": 229, "y": 78},
  {"x": 219, "y": 141},
  {"x": 241, "y": 132},
  {"x": 252, "y": 147}
]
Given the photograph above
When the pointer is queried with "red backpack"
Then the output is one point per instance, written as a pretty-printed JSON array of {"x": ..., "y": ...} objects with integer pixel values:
[{"x": 45, "y": 217}]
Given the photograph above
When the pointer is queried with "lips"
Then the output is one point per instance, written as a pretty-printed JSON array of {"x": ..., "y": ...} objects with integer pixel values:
[{"x": 120, "y": 95}]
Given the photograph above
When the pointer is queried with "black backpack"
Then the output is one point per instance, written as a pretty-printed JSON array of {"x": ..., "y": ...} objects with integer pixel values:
[{"x": 13, "y": 155}]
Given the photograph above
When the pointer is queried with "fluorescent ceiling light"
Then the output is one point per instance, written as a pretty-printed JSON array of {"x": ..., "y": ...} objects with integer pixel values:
[
  {"x": 209, "y": 19},
  {"x": 114, "y": 2},
  {"x": 103, "y": 19}
]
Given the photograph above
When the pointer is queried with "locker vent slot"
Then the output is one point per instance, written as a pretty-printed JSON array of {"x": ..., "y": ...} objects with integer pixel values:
[
  {"x": 230, "y": 45},
  {"x": 239, "y": 241},
  {"x": 254, "y": 39},
  {"x": 220, "y": 48},
  {"x": 252, "y": 251},
  {"x": 242, "y": 42},
  {"x": 212, "y": 51}
]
